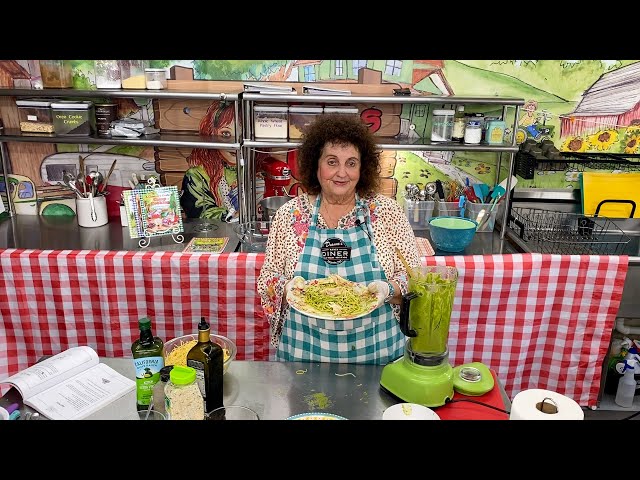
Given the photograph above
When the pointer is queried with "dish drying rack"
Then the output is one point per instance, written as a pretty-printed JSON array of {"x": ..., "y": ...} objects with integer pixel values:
[{"x": 564, "y": 233}]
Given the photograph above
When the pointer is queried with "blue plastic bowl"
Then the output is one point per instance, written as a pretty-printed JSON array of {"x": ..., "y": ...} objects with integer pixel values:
[{"x": 452, "y": 234}]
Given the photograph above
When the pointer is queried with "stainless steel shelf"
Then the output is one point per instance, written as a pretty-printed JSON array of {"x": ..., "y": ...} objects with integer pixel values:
[
  {"x": 391, "y": 143},
  {"x": 160, "y": 140},
  {"x": 433, "y": 99},
  {"x": 117, "y": 93}
]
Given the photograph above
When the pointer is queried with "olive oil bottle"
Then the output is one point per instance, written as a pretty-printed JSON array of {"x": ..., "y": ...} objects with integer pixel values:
[
  {"x": 207, "y": 358},
  {"x": 147, "y": 360}
]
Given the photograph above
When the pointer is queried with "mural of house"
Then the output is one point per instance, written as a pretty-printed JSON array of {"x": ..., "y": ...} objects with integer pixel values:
[
  {"x": 421, "y": 75},
  {"x": 613, "y": 101}
]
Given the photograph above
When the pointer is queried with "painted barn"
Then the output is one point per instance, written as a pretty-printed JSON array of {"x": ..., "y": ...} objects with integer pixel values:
[
  {"x": 11, "y": 72},
  {"x": 613, "y": 101}
]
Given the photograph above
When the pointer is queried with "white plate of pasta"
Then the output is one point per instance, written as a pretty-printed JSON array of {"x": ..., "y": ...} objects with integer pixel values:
[{"x": 331, "y": 298}]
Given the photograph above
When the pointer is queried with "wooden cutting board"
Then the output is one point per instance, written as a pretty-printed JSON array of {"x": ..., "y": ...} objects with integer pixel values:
[{"x": 598, "y": 186}]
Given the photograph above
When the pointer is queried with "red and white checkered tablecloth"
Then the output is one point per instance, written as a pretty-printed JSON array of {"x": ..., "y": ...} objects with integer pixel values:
[{"x": 539, "y": 321}]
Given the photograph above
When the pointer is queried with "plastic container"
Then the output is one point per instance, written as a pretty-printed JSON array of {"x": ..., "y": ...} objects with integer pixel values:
[
  {"x": 626, "y": 385},
  {"x": 156, "y": 78},
  {"x": 73, "y": 117},
  {"x": 183, "y": 399},
  {"x": 107, "y": 74},
  {"x": 495, "y": 132},
  {"x": 271, "y": 121},
  {"x": 56, "y": 73},
  {"x": 447, "y": 209},
  {"x": 35, "y": 115},
  {"x": 473, "y": 209},
  {"x": 132, "y": 72},
  {"x": 419, "y": 212},
  {"x": 300, "y": 118},
  {"x": 442, "y": 125},
  {"x": 345, "y": 110},
  {"x": 473, "y": 133}
]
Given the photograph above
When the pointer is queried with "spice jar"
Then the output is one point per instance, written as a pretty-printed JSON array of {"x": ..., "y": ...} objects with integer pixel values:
[
  {"x": 473, "y": 132},
  {"x": 182, "y": 395},
  {"x": 107, "y": 74},
  {"x": 156, "y": 78}
]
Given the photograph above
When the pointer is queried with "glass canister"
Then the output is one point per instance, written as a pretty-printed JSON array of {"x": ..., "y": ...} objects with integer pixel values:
[
  {"x": 442, "y": 125},
  {"x": 156, "y": 78},
  {"x": 107, "y": 74},
  {"x": 132, "y": 73},
  {"x": 56, "y": 73}
]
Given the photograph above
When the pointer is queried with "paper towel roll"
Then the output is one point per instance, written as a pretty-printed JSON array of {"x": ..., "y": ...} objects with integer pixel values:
[{"x": 532, "y": 405}]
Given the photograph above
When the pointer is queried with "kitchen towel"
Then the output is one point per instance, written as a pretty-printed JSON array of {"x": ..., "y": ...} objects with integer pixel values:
[{"x": 539, "y": 404}]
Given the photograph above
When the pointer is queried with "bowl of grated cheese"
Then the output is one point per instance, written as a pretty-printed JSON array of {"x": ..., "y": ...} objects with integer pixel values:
[{"x": 175, "y": 350}]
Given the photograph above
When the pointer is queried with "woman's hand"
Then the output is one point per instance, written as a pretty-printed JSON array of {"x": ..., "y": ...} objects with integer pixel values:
[
  {"x": 298, "y": 280},
  {"x": 381, "y": 289}
]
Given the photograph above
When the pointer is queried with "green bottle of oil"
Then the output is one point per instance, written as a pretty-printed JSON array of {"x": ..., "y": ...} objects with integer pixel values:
[
  {"x": 207, "y": 358},
  {"x": 147, "y": 360}
]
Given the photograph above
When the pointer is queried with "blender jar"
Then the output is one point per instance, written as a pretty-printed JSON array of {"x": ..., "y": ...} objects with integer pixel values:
[{"x": 428, "y": 305}]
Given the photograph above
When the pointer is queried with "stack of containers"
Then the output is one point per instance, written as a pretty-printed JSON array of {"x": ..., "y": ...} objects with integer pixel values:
[
  {"x": 35, "y": 115},
  {"x": 271, "y": 122}
]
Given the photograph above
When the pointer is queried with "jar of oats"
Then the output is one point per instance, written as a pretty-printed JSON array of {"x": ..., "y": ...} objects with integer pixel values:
[{"x": 182, "y": 395}]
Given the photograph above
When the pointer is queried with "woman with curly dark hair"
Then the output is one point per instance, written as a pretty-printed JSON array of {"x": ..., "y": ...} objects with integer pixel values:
[{"x": 340, "y": 226}]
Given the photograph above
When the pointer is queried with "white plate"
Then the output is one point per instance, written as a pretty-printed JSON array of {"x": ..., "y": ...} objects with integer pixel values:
[
  {"x": 316, "y": 416},
  {"x": 302, "y": 308},
  {"x": 409, "y": 411}
]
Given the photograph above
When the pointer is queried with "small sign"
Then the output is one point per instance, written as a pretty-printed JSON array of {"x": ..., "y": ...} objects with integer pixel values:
[{"x": 207, "y": 244}]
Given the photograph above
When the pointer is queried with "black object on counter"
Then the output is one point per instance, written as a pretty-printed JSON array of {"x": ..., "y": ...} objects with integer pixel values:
[{"x": 207, "y": 358}]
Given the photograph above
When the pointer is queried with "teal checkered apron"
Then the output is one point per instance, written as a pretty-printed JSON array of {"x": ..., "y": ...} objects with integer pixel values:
[{"x": 375, "y": 338}]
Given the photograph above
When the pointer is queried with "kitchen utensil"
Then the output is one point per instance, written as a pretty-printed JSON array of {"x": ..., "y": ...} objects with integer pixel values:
[
  {"x": 96, "y": 181},
  {"x": 407, "y": 267},
  {"x": 80, "y": 176},
  {"x": 106, "y": 179},
  {"x": 423, "y": 375},
  {"x": 69, "y": 179}
]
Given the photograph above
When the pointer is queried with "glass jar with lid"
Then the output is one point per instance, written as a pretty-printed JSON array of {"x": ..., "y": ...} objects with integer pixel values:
[
  {"x": 132, "y": 73},
  {"x": 473, "y": 132},
  {"x": 107, "y": 74},
  {"x": 442, "y": 125},
  {"x": 56, "y": 73}
]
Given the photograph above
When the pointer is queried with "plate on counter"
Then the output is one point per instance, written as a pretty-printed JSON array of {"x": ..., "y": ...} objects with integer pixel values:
[
  {"x": 316, "y": 416},
  {"x": 409, "y": 411}
]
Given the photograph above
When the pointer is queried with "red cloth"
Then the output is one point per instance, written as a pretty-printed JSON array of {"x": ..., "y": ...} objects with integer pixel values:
[
  {"x": 471, "y": 411},
  {"x": 539, "y": 321}
]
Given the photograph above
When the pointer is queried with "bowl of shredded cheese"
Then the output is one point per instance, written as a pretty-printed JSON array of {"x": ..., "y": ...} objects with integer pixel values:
[{"x": 175, "y": 350}]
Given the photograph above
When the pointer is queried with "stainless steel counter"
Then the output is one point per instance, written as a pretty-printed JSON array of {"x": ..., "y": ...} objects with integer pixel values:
[
  {"x": 64, "y": 233},
  {"x": 278, "y": 390},
  {"x": 483, "y": 243}
]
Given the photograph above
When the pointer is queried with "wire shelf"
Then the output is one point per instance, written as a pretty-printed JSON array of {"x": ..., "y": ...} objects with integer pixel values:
[{"x": 567, "y": 233}]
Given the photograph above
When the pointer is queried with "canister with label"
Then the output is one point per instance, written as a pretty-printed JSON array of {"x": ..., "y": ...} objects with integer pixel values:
[
  {"x": 442, "y": 125},
  {"x": 473, "y": 133},
  {"x": 495, "y": 132}
]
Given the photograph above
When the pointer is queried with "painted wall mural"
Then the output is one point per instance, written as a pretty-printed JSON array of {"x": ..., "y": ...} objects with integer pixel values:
[{"x": 585, "y": 107}]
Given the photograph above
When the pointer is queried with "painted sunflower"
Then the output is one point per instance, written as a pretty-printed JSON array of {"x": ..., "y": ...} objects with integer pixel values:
[
  {"x": 575, "y": 144},
  {"x": 482, "y": 168},
  {"x": 603, "y": 139},
  {"x": 631, "y": 144}
]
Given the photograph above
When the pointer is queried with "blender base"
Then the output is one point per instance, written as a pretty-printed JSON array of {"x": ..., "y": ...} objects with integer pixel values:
[{"x": 431, "y": 386}]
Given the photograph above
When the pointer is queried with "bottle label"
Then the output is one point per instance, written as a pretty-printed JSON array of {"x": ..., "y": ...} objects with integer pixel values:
[
  {"x": 199, "y": 367},
  {"x": 147, "y": 375}
]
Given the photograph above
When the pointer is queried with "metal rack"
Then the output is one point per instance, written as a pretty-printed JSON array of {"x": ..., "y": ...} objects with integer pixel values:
[
  {"x": 163, "y": 140},
  {"x": 552, "y": 232},
  {"x": 250, "y": 144}
]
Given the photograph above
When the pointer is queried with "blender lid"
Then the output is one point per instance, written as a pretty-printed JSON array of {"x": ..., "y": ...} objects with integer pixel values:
[{"x": 472, "y": 379}]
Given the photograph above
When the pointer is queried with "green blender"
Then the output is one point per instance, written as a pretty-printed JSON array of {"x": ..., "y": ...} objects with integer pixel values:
[{"x": 423, "y": 374}]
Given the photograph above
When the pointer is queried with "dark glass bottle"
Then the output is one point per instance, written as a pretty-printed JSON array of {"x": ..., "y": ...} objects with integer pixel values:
[
  {"x": 207, "y": 358},
  {"x": 147, "y": 360}
]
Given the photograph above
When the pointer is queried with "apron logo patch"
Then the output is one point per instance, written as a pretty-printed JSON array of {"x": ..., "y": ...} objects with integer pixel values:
[{"x": 334, "y": 251}]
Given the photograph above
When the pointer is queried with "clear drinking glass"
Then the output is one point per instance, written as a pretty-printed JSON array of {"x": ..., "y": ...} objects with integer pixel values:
[{"x": 232, "y": 412}]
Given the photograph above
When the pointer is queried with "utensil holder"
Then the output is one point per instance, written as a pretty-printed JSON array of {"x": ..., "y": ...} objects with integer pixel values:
[{"x": 84, "y": 211}]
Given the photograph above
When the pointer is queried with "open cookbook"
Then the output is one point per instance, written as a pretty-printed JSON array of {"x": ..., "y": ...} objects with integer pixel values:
[{"x": 74, "y": 385}]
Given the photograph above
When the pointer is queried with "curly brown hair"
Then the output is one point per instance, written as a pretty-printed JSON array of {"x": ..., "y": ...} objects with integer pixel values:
[{"x": 341, "y": 129}]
